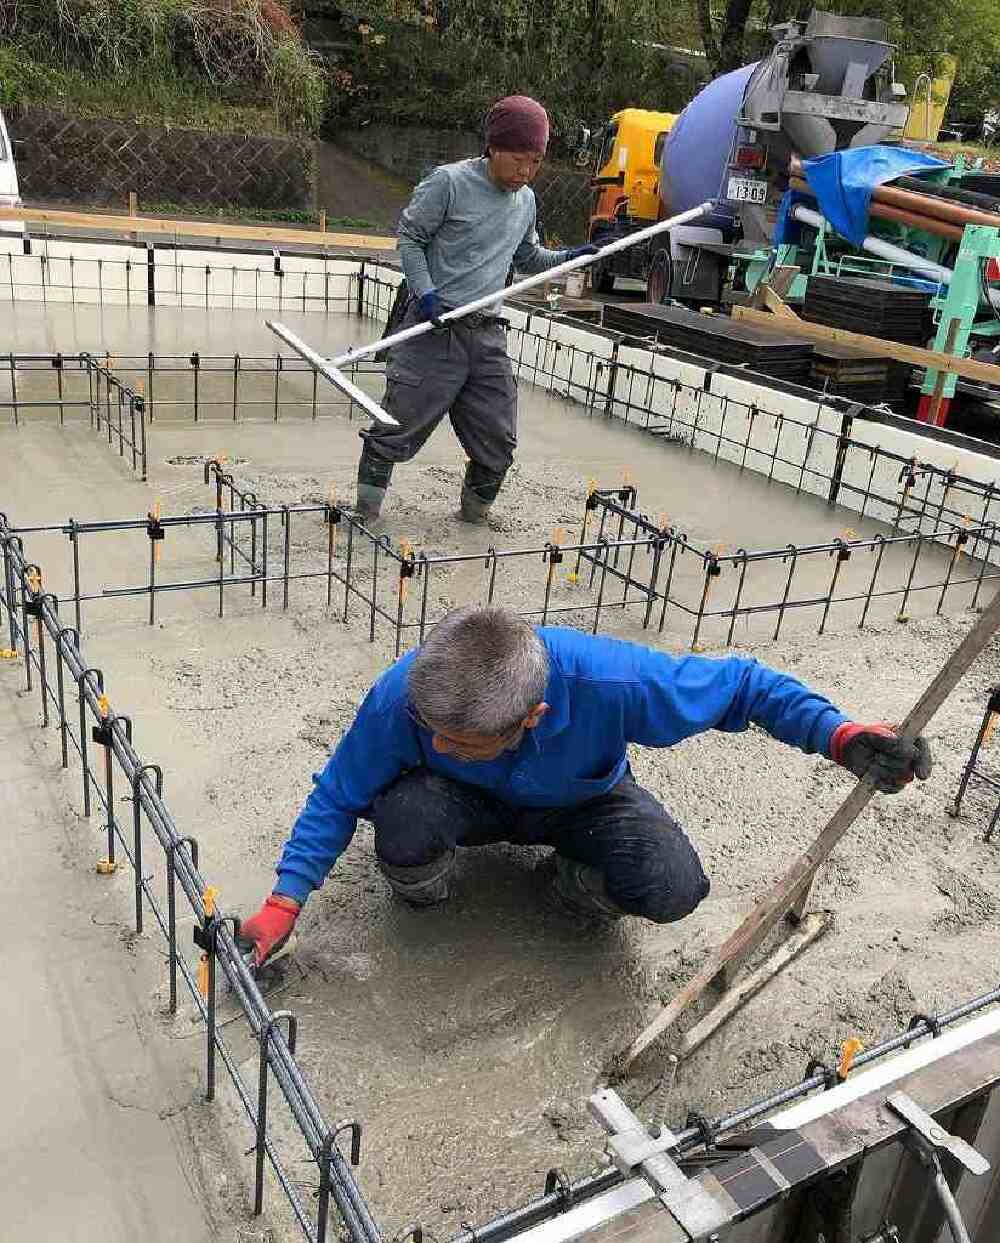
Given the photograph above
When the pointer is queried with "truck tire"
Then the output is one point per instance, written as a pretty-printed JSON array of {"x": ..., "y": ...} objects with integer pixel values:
[{"x": 659, "y": 279}]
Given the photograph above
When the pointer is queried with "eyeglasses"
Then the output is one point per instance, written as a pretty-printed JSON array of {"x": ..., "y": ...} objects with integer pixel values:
[{"x": 498, "y": 742}]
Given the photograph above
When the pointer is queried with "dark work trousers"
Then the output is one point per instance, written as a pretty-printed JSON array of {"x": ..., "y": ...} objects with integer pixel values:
[
  {"x": 649, "y": 866},
  {"x": 462, "y": 369}
]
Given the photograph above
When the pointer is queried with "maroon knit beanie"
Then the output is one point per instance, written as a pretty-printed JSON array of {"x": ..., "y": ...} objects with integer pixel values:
[{"x": 517, "y": 123}]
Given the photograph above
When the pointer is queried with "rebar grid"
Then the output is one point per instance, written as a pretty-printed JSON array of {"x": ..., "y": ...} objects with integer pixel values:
[
  {"x": 113, "y": 406},
  {"x": 155, "y": 274},
  {"x": 37, "y": 633},
  {"x": 616, "y": 508},
  {"x": 628, "y": 562},
  {"x": 174, "y": 387}
]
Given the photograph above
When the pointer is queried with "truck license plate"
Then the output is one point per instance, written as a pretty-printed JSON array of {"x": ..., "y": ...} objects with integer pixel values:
[{"x": 746, "y": 190}]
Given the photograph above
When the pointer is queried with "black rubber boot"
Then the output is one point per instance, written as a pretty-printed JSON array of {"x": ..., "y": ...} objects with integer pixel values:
[
  {"x": 479, "y": 491},
  {"x": 579, "y": 890},
  {"x": 426, "y": 884},
  {"x": 374, "y": 473}
]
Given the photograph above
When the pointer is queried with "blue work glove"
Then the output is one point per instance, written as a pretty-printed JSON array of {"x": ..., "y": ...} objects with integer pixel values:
[
  {"x": 579, "y": 251},
  {"x": 430, "y": 308}
]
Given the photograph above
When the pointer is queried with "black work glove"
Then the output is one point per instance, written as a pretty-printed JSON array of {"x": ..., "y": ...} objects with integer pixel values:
[{"x": 878, "y": 752}]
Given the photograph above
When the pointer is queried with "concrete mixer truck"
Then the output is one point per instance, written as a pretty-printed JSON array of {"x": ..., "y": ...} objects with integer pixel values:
[{"x": 827, "y": 84}]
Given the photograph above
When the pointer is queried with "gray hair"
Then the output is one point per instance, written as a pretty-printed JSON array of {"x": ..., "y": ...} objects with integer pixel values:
[{"x": 480, "y": 671}]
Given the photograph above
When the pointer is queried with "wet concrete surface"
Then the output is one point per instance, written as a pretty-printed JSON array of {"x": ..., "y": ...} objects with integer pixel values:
[{"x": 467, "y": 1038}]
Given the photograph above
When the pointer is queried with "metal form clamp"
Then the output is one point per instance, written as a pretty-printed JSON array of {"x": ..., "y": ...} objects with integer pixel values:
[
  {"x": 636, "y": 1152},
  {"x": 926, "y": 1138}
]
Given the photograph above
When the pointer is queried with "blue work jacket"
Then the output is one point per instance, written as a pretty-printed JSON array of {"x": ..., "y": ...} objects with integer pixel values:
[{"x": 602, "y": 694}]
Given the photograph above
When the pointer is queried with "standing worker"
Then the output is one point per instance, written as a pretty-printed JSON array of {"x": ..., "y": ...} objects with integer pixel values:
[
  {"x": 495, "y": 731},
  {"x": 464, "y": 228}
]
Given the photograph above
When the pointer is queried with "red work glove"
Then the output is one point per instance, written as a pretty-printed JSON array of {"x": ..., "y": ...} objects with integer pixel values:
[
  {"x": 878, "y": 752},
  {"x": 270, "y": 928}
]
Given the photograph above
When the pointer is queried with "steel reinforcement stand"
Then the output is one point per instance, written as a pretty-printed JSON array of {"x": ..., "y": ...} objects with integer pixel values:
[{"x": 991, "y": 718}]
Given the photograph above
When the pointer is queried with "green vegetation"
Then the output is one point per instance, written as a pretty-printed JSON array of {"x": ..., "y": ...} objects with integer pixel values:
[
  {"x": 263, "y": 215},
  {"x": 213, "y": 64},
  {"x": 442, "y": 66}
]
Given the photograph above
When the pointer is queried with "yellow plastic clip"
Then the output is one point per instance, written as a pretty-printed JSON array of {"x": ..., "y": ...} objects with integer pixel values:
[
  {"x": 406, "y": 552},
  {"x": 591, "y": 487},
  {"x": 991, "y": 728},
  {"x": 7, "y": 653},
  {"x": 849, "y": 1051},
  {"x": 208, "y": 900},
  {"x": 627, "y": 479},
  {"x": 103, "y": 705},
  {"x": 848, "y": 534},
  {"x": 105, "y": 867},
  {"x": 34, "y": 581},
  {"x": 203, "y": 976}
]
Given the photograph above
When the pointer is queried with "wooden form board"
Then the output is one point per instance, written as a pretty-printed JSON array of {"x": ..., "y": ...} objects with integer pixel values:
[
  {"x": 985, "y": 373},
  {"x": 197, "y": 228}
]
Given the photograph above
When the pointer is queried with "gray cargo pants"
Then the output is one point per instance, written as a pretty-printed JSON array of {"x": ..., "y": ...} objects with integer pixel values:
[{"x": 462, "y": 369}]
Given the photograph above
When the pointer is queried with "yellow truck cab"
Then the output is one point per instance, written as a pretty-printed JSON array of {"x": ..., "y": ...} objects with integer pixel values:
[{"x": 626, "y": 195}]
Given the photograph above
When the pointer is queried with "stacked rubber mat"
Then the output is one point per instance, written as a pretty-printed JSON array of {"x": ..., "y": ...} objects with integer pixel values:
[
  {"x": 769, "y": 352},
  {"x": 867, "y": 378},
  {"x": 875, "y": 307}
]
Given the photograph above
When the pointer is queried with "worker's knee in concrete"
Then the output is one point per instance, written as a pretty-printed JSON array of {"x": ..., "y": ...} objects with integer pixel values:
[
  {"x": 656, "y": 874},
  {"x": 416, "y": 819}
]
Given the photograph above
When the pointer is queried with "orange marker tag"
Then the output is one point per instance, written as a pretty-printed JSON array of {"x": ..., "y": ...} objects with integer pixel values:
[{"x": 850, "y": 1050}]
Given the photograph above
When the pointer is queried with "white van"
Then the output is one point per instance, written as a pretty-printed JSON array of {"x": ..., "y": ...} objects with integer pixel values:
[{"x": 10, "y": 195}]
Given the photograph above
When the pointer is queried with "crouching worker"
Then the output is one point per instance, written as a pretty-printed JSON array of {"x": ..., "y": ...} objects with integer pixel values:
[{"x": 495, "y": 731}]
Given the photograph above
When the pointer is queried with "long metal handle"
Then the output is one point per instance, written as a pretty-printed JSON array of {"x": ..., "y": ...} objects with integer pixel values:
[{"x": 331, "y": 368}]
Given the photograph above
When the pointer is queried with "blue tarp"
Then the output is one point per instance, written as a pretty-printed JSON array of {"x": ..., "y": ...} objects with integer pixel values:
[{"x": 843, "y": 182}]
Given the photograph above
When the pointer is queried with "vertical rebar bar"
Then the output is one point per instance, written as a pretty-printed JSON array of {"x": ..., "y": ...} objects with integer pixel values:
[
  {"x": 792, "y": 559},
  {"x": 75, "y": 545},
  {"x": 265, "y": 1039},
  {"x": 956, "y": 552},
  {"x": 712, "y": 571},
  {"x": 605, "y": 548},
  {"x": 376, "y": 544},
  {"x": 286, "y": 518},
  {"x": 236, "y": 385},
  {"x": 263, "y": 557},
  {"x": 137, "y": 831},
  {"x": 871, "y": 586},
  {"x": 171, "y": 851},
  {"x": 742, "y": 554},
  {"x": 842, "y": 554},
  {"x": 61, "y": 690},
  {"x": 909, "y": 582},
  {"x": 674, "y": 545},
  {"x": 13, "y": 387},
  {"x": 277, "y": 382}
]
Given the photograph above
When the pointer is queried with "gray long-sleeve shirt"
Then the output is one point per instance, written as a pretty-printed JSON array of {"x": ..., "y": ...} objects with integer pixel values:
[{"x": 460, "y": 232}]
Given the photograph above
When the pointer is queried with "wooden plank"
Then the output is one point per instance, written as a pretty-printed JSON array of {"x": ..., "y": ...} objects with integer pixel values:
[
  {"x": 783, "y": 895},
  {"x": 811, "y": 928},
  {"x": 774, "y": 302},
  {"x": 954, "y": 328},
  {"x": 782, "y": 277},
  {"x": 985, "y": 373},
  {"x": 196, "y": 228}
]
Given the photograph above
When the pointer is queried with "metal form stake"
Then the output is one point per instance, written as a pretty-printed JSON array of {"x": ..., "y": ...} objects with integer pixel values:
[
  {"x": 171, "y": 851},
  {"x": 137, "y": 777},
  {"x": 329, "y": 1153},
  {"x": 81, "y": 685},
  {"x": 266, "y": 1032},
  {"x": 65, "y": 635}
]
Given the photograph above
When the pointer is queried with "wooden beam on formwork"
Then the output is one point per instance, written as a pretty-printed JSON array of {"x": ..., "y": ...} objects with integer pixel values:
[
  {"x": 197, "y": 228},
  {"x": 790, "y": 325}
]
